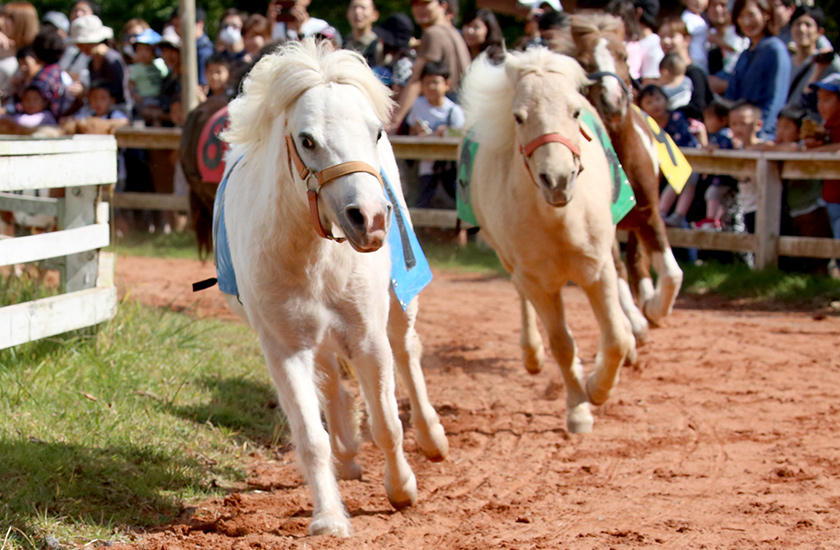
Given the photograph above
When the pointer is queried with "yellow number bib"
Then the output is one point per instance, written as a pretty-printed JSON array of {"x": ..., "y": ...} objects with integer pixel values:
[{"x": 673, "y": 164}]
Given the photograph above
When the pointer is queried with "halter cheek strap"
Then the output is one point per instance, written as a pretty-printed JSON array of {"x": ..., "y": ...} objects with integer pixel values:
[{"x": 323, "y": 177}]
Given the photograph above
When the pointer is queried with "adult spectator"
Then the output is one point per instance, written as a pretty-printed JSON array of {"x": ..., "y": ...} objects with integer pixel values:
[
  {"x": 292, "y": 20},
  {"x": 725, "y": 43},
  {"x": 230, "y": 41},
  {"x": 482, "y": 33},
  {"x": 256, "y": 33},
  {"x": 810, "y": 65},
  {"x": 82, "y": 8},
  {"x": 8, "y": 61},
  {"x": 554, "y": 32},
  {"x": 395, "y": 33},
  {"x": 536, "y": 10},
  {"x": 762, "y": 74},
  {"x": 442, "y": 43},
  {"x": 20, "y": 23},
  {"x": 73, "y": 63},
  {"x": 644, "y": 51},
  {"x": 675, "y": 38},
  {"x": 203, "y": 45},
  {"x": 361, "y": 15},
  {"x": 106, "y": 63}
]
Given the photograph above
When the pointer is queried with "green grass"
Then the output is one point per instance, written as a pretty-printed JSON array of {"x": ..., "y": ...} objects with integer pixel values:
[
  {"x": 159, "y": 245},
  {"x": 105, "y": 433},
  {"x": 737, "y": 281}
]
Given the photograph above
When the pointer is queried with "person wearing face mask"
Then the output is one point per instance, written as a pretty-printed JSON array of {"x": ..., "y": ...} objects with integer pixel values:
[{"x": 230, "y": 44}]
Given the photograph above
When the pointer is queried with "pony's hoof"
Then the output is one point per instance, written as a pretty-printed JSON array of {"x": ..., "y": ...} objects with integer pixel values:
[
  {"x": 632, "y": 357},
  {"x": 579, "y": 419},
  {"x": 331, "y": 525},
  {"x": 434, "y": 444},
  {"x": 534, "y": 360},
  {"x": 348, "y": 470},
  {"x": 405, "y": 496}
]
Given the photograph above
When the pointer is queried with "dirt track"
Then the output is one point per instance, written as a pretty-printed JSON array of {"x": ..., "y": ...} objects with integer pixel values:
[{"x": 725, "y": 435}]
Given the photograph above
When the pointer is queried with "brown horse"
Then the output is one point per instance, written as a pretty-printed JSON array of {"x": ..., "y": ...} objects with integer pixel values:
[{"x": 599, "y": 47}]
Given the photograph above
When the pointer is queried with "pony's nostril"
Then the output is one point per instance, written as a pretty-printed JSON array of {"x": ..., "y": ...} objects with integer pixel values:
[
  {"x": 356, "y": 217},
  {"x": 547, "y": 181}
]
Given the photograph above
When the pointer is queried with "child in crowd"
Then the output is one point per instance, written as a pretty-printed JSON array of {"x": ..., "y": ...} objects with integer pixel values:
[
  {"x": 146, "y": 74},
  {"x": 722, "y": 191},
  {"x": 35, "y": 109},
  {"x": 745, "y": 121},
  {"x": 804, "y": 213},
  {"x": 654, "y": 102},
  {"x": 828, "y": 105},
  {"x": 674, "y": 83},
  {"x": 28, "y": 67},
  {"x": 218, "y": 75},
  {"x": 101, "y": 104},
  {"x": 699, "y": 30},
  {"x": 434, "y": 113}
]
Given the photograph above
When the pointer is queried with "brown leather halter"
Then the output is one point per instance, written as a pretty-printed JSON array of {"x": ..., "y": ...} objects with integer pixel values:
[
  {"x": 539, "y": 141},
  {"x": 323, "y": 177}
]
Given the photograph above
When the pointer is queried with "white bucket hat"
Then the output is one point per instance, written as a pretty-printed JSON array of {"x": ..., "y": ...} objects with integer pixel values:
[{"x": 89, "y": 29}]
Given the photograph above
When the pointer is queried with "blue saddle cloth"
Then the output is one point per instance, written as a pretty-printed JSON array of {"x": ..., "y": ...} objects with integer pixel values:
[{"x": 410, "y": 271}]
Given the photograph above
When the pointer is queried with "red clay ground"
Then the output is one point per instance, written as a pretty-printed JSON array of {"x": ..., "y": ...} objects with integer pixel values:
[{"x": 725, "y": 435}]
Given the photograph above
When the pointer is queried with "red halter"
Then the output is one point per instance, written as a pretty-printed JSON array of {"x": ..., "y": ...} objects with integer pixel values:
[
  {"x": 539, "y": 141},
  {"x": 323, "y": 177}
]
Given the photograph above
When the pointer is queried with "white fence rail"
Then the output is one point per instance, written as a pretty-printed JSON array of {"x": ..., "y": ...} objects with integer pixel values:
[{"x": 79, "y": 165}]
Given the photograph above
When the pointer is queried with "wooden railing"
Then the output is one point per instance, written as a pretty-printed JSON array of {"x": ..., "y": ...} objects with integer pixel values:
[
  {"x": 80, "y": 165},
  {"x": 767, "y": 168}
]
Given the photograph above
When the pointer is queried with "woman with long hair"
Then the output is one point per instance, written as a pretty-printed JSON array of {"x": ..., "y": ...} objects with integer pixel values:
[
  {"x": 762, "y": 74},
  {"x": 482, "y": 33}
]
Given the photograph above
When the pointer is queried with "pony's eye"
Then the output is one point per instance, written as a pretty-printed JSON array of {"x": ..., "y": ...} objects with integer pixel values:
[
  {"x": 307, "y": 142},
  {"x": 519, "y": 117},
  {"x": 576, "y": 114},
  {"x": 379, "y": 134}
]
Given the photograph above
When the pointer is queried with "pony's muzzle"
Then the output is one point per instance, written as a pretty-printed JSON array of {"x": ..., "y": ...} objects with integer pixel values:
[
  {"x": 557, "y": 189},
  {"x": 367, "y": 224}
]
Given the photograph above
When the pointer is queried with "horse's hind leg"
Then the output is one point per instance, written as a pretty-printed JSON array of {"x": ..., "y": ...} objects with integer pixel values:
[
  {"x": 294, "y": 377},
  {"x": 670, "y": 276},
  {"x": 616, "y": 341},
  {"x": 375, "y": 370},
  {"x": 407, "y": 354},
  {"x": 638, "y": 324},
  {"x": 342, "y": 419},
  {"x": 550, "y": 309}
]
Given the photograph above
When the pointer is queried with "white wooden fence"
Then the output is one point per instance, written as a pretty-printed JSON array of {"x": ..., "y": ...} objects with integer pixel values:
[
  {"x": 766, "y": 168},
  {"x": 79, "y": 165}
]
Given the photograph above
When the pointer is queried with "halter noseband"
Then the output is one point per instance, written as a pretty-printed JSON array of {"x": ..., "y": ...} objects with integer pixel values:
[
  {"x": 539, "y": 141},
  {"x": 323, "y": 177}
]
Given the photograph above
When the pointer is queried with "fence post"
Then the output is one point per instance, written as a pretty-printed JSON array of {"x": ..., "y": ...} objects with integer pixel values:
[
  {"x": 80, "y": 270},
  {"x": 768, "y": 218}
]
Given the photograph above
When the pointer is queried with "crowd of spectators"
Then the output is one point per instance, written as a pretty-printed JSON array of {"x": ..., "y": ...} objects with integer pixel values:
[{"x": 725, "y": 74}]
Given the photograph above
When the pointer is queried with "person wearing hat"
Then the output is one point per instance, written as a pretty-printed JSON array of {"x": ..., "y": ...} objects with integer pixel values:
[
  {"x": 828, "y": 104},
  {"x": 442, "y": 43},
  {"x": 146, "y": 74},
  {"x": 106, "y": 63},
  {"x": 395, "y": 34}
]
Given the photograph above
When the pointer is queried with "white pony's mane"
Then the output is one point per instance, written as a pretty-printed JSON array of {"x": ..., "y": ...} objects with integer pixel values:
[
  {"x": 487, "y": 92},
  {"x": 279, "y": 79}
]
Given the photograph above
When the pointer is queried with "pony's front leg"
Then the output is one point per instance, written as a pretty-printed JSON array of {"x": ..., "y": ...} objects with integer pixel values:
[
  {"x": 375, "y": 369},
  {"x": 616, "y": 340},
  {"x": 659, "y": 302},
  {"x": 549, "y": 307},
  {"x": 294, "y": 376},
  {"x": 407, "y": 354},
  {"x": 530, "y": 341},
  {"x": 341, "y": 416}
]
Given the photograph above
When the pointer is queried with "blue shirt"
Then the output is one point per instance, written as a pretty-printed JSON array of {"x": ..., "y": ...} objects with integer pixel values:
[
  {"x": 762, "y": 77},
  {"x": 204, "y": 49}
]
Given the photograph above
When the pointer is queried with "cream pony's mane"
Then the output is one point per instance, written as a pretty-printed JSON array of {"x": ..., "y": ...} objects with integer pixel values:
[
  {"x": 279, "y": 79},
  {"x": 487, "y": 92},
  {"x": 602, "y": 23}
]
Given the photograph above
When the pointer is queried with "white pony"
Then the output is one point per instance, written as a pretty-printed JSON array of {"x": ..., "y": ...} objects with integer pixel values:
[
  {"x": 307, "y": 147},
  {"x": 541, "y": 191}
]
